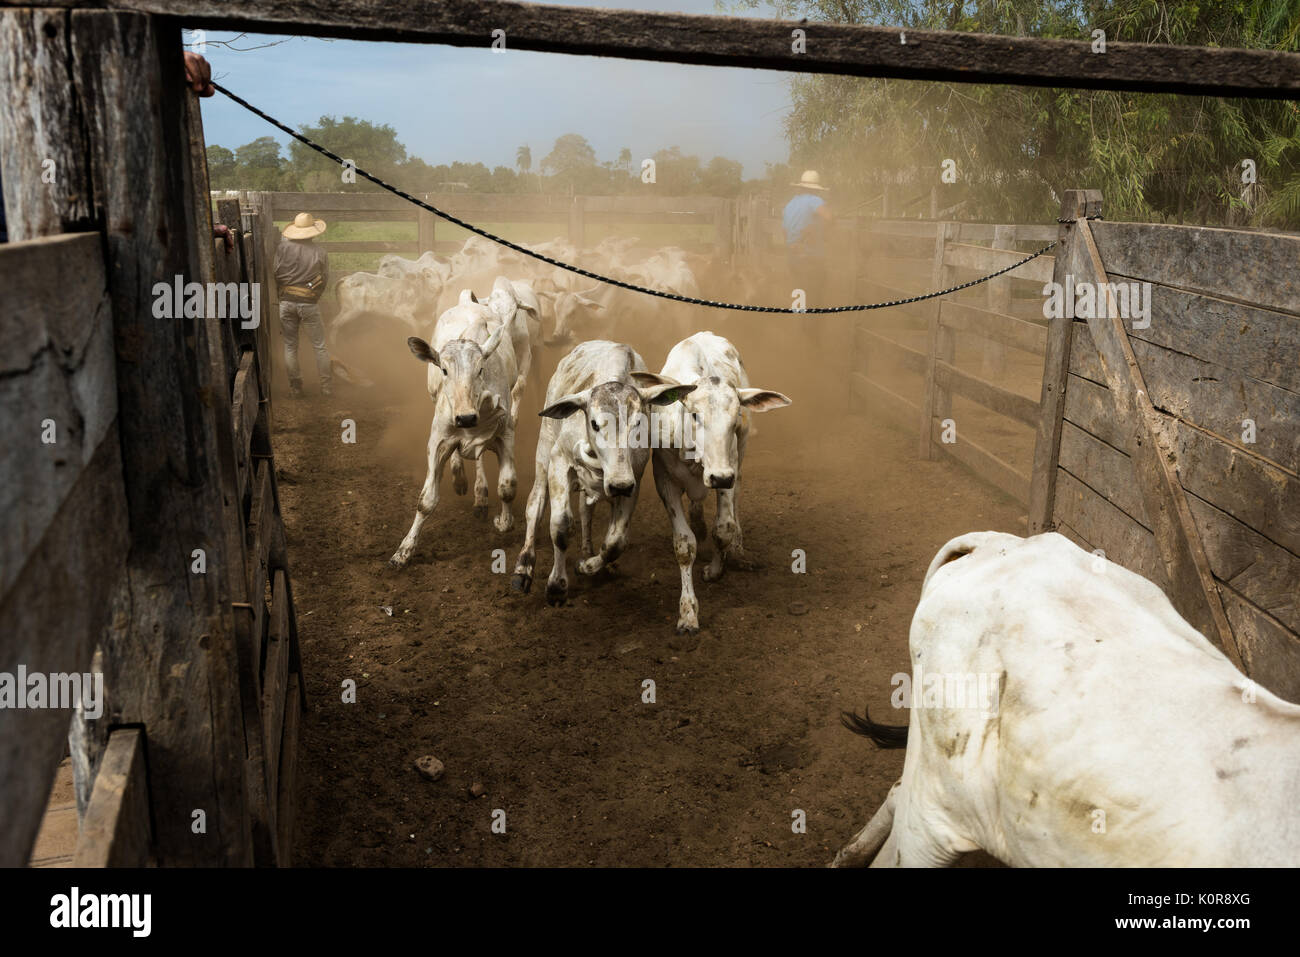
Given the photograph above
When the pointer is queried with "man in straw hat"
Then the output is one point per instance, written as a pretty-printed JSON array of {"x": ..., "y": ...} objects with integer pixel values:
[
  {"x": 301, "y": 270},
  {"x": 805, "y": 221}
]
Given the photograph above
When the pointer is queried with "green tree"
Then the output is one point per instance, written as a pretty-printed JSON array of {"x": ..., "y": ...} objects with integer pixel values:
[
  {"x": 524, "y": 159},
  {"x": 572, "y": 162},
  {"x": 1155, "y": 157},
  {"x": 221, "y": 168},
  {"x": 373, "y": 148},
  {"x": 258, "y": 165}
]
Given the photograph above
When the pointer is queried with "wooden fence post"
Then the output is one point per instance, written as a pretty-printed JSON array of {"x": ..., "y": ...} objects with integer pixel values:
[
  {"x": 169, "y": 654},
  {"x": 1056, "y": 366},
  {"x": 578, "y": 221},
  {"x": 994, "y": 361},
  {"x": 937, "y": 400},
  {"x": 427, "y": 230}
]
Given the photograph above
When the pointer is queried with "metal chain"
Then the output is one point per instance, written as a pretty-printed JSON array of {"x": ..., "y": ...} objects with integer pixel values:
[{"x": 674, "y": 297}]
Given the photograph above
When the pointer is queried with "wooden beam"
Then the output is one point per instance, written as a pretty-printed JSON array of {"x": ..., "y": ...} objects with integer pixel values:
[
  {"x": 1011, "y": 404},
  {"x": 116, "y": 831},
  {"x": 851, "y": 50},
  {"x": 1192, "y": 588},
  {"x": 937, "y": 400},
  {"x": 1056, "y": 367}
]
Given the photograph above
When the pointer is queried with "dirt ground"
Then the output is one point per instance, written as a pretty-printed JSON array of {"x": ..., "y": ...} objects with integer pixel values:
[{"x": 542, "y": 707}]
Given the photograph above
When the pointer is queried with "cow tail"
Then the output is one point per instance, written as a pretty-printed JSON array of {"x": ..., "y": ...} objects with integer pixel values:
[{"x": 882, "y": 735}]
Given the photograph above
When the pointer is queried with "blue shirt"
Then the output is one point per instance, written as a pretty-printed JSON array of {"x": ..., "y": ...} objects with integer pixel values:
[{"x": 799, "y": 214}]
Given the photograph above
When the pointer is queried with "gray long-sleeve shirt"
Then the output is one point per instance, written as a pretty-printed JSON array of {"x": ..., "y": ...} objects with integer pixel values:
[{"x": 298, "y": 260}]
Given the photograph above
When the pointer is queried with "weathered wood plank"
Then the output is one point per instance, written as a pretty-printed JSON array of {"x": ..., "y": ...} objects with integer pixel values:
[
  {"x": 985, "y": 259},
  {"x": 116, "y": 831},
  {"x": 1220, "y": 401},
  {"x": 1123, "y": 540},
  {"x": 937, "y": 400},
  {"x": 1000, "y": 400},
  {"x": 1056, "y": 367},
  {"x": 275, "y": 685},
  {"x": 983, "y": 463},
  {"x": 1104, "y": 469},
  {"x": 1191, "y": 584},
  {"x": 36, "y": 101},
  {"x": 852, "y": 50},
  {"x": 56, "y": 366},
  {"x": 48, "y": 636},
  {"x": 1270, "y": 653},
  {"x": 1258, "y": 343},
  {"x": 1195, "y": 258},
  {"x": 286, "y": 817},
  {"x": 171, "y": 658},
  {"x": 1084, "y": 361},
  {"x": 997, "y": 326},
  {"x": 1090, "y": 407}
]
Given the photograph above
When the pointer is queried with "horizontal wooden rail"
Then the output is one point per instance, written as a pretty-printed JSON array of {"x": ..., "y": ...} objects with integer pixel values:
[
  {"x": 983, "y": 259},
  {"x": 851, "y": 50},
  {"x": 983, "y": 463},
  {"x": 1008, "y": 330},
  {"x": 1011, "y": 404}
]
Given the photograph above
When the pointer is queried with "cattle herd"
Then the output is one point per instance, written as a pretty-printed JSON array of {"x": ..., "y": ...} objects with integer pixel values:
[
  {"x": 605, "y": 415},
  {"x": 1114, "y": 733}
]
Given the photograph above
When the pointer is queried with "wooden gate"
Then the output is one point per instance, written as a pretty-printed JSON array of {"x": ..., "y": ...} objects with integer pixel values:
[{"x": 1172, "y": 442}]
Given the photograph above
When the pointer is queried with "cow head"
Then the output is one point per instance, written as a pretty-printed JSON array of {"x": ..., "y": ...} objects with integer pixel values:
[
  {"x": 615, "y": 427},
  {"x": 716, "y": 412},
  {"x": 576, "y": 317},
  {"x": 464, "y": 364}
]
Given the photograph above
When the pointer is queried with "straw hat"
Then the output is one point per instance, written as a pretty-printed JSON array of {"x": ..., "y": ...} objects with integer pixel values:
[
  {"x": 304, "y": 226},
  {"x": 810, "y": 180}
]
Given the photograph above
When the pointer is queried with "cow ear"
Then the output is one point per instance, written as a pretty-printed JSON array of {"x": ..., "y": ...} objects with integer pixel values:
[
  {"x": 761, "y": 400},
  {"x": 423, "y": 351},
  {"x": 565, "y": 407},
  {"x": 665, "y": 394},
  {"x": 648, "y": 379}
]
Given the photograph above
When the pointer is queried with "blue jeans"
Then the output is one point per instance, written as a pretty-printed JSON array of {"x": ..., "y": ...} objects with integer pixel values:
[{"x": 293, "y": 314}]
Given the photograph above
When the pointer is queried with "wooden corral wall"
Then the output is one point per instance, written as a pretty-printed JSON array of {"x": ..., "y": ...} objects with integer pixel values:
[
  {"x": 149, "y": 528},
  {"x": 1174, "y": 447},
  {"x": 905, "y": 357}
]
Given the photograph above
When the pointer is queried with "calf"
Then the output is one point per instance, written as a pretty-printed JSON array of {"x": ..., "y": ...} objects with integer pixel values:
[
  {"x": 700, "y": 446},
  {"x": 471, "y": 375},
  {"x": 517, "y": 306},
  {"x": 407, "y": 299},
  {"x": 588, "y": 443},
  {"x": 1118, "y": 735}
]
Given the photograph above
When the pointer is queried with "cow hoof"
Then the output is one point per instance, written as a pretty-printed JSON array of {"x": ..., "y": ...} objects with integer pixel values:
[
  {"x": 686, "y": 628},
  {"x": 459, "y": 485},
  {"x": 504, "y": 523},
  {"x": 556, "y": 593},
  {"x": 710, "y": 575},
  {"x": 590, "y": 566},
  {"x": 397, "y": 561},
  {"x": 480, "y": 511},
  {"x": 521, "y": 583}
]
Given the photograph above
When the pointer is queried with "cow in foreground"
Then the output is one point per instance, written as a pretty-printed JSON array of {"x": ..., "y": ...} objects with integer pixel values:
[
  {"x": 699, "y": 447},
  {"x": 472, "y": 372},
  {"x": 593, "y": 440},
  {"x": 1117, "y": 736}
]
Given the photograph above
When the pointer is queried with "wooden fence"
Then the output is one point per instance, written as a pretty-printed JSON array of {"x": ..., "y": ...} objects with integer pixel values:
[
  {"x": 905, "y": 357},
  {"x": 570, "y": 214},
  {"x": 1173, "y": 443},
  {"x": 139, "y": 477}
]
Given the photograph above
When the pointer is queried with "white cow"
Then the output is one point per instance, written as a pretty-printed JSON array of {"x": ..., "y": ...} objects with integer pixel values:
[
  {"x": 1116, "y": 734},
  {"x": 700, "y": 446},
  {"x": 471, "y": 374},
  {"x": 362, "y": 294},
  {"x": 516, "y": 304},
  {"x": 588, "y": 444}
]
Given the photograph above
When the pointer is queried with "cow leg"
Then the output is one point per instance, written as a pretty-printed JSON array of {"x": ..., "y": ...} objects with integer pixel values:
[
  {"x": 726, "y": 534},
  {"x": 859, "y": 851},
  {"x": 697, "y": 520},
  {"x": 523, "y": 577},
  {"x": 557, "y": 586},
  {"x": 507, "y": 483},
  {"x": 688, "y": 607},
  {"x": 440, "y": 446},
  {"x": 620, "y": 517},
  {"x": 586, "y": 512},
  {"x": 458, "y": 483},
  {"x": 480, "y": 488},
  {"x": 516, "y": 396}
]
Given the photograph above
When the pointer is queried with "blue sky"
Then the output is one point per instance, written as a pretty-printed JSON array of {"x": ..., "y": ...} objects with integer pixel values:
[{"x": 456, "y": 103}]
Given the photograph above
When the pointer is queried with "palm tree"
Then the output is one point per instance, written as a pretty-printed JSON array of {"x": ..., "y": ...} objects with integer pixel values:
[{"x": 524, "y": 159}]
